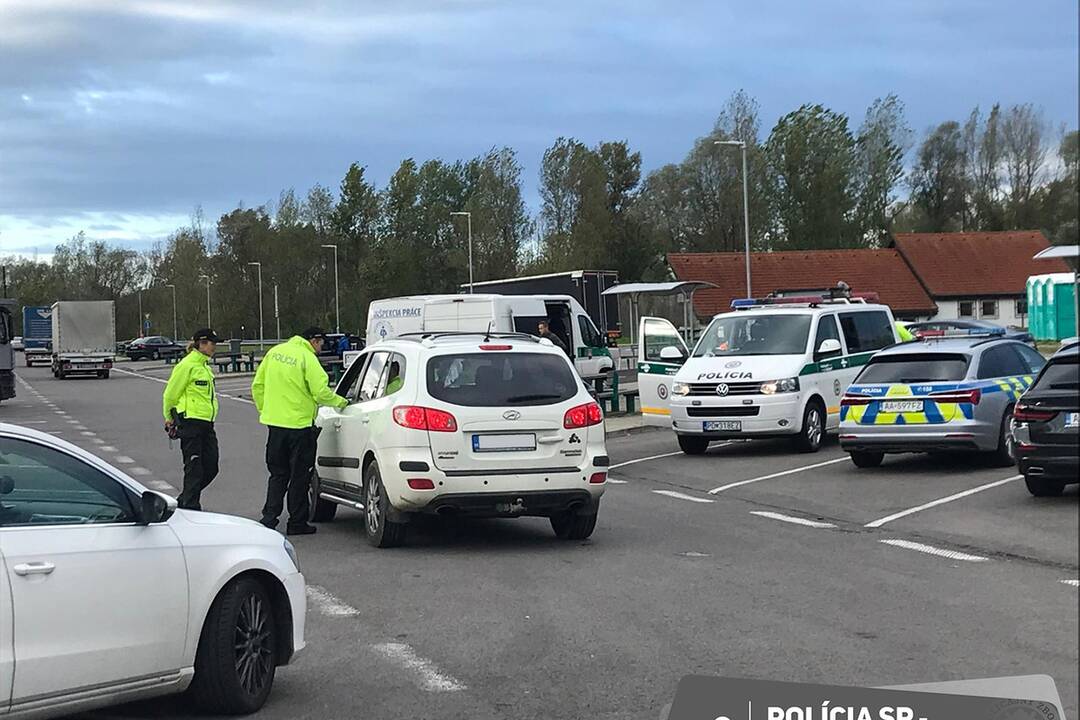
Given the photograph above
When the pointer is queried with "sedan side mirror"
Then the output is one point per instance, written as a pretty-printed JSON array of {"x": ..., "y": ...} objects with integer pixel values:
[
  {"x": 830, "y": 346},
  {"x": 672, "y": 354},
  {"x": 155, "y": 508}
]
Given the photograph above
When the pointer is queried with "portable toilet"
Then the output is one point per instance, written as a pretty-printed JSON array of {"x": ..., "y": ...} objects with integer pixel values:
[
  {"x": 1034, "y": 306},
  {"x": 1061, "y": 288}
]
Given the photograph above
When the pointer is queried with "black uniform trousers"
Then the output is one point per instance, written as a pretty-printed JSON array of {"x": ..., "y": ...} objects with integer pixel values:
[
  {"x": 290, "y": 459},
  {"x": 199, "y": 446}
]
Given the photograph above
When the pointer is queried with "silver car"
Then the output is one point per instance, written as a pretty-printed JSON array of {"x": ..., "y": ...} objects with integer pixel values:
[{"x": 945, "y": 393}]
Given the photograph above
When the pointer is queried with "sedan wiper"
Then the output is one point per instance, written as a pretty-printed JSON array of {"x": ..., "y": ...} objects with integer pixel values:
[
  {"x": 522, "y": 398},
  {"x": 1064, "y": 385}
]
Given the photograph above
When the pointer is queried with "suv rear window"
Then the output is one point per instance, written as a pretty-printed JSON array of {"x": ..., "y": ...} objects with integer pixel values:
[
  {"x": 1060, "y": 375},
  {"x": 915, "y": 368},
  {"x": 494, "y": 379}
]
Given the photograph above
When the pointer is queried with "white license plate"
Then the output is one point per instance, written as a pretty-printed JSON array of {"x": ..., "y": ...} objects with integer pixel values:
[
  {"x": 901, "y": 406},
  {"x": 723, "y": 425},
  {"x": 1072, "y": 419},
  {"x": 519, "y": 442}
]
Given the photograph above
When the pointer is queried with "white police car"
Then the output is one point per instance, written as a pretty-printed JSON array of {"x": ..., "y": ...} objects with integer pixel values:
[{"x": 774, "y": 367}]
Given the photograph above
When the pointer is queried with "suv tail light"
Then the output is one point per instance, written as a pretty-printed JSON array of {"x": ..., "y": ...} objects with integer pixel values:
[
  {"x": 1026, "y": 413},
  {"x": 583, "y": 416},
  {"x": 855, "y": 400},
  {"x": 972, "y": 396},
  {"x": 496, "y": 347},
  {"x": 415, "y": 417}
]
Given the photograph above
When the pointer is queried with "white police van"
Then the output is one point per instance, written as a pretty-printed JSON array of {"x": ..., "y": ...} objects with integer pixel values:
[
  {"x": 772, "y": 367},
  {"x": 391, "y": 317}
]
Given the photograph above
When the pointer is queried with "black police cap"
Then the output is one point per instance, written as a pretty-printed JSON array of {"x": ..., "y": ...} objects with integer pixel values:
[
  {"x": 314, "y": 332},
  {"x": 205, "y": 334}
]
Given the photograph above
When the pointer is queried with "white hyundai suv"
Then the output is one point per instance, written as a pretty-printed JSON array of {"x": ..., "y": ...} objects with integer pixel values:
[
  {"x": 110, "y": 594},
  {"x": 462, "y": 424}
]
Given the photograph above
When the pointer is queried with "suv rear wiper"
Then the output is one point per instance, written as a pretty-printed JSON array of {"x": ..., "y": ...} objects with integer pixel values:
[{"x": 520, "y": 398}]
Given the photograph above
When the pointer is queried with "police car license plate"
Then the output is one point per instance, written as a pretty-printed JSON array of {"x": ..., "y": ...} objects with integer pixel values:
[
  {"x": 901, "y": 406},
  {"x": 1072, "y": 419},
  {"x": 518, "y": 442},
  {"x": 722, "y": 425}
]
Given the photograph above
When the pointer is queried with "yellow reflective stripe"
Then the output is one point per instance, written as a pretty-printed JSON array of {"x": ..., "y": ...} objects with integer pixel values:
[
  {"x": 833, "y": 410},
  {"x": 655, "y": 411}
]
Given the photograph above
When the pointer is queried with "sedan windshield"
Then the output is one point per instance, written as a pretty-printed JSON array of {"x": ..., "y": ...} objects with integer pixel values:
[{"x": 754, "y": 334}]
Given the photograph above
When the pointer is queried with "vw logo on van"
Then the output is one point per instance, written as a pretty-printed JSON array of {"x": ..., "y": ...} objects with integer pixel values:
[
  {"x": 722, "y": 389},
  {"x": 511, "y": 415}
]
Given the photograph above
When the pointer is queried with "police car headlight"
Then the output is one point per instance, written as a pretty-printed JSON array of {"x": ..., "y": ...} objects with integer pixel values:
[
  {"x": 780, "y": 386},
  {"x": 678, "y": 388}
]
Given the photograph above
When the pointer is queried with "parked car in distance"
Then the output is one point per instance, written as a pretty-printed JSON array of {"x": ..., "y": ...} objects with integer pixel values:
[
  {"x": 17, "y": 343},
  {"x": 1046, "y": 426},
  {"x": 153, "y": 347},
  {"x": 462, "y": 424},
  {"x": 110, "y": 594},
  {"x": 939, "y": 328}
]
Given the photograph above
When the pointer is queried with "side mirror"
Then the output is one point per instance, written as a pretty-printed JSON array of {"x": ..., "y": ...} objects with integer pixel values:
[
  {"x": 155, "y": 508},
  {"x": 831, "y": 346},
  {"x": 672, "y": 354}
]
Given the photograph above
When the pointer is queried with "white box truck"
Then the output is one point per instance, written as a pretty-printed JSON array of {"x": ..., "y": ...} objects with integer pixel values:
[
  {"x": 83, "y": 337},
  {"x": 496, "y": 313}
]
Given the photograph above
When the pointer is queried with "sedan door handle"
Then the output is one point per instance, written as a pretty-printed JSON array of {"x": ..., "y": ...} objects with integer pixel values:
[
  {"x": 365, "y": 419},
  {"x": 34, "y": 568}
]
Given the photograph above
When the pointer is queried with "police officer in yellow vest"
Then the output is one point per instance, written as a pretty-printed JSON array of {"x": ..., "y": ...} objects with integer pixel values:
[
  {"x": 289, "y": 387},
  {"x": 903, "y": 333},
  {"x": 190, "y": 405}
]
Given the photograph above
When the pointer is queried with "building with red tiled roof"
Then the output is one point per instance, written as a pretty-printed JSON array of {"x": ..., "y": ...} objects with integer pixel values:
[
  {"x": 981, "y": 275},
  {"x": 882, "y": 271}
]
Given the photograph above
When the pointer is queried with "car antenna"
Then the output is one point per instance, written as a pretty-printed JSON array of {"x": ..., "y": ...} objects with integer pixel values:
[{"x": 487, "y": 335}]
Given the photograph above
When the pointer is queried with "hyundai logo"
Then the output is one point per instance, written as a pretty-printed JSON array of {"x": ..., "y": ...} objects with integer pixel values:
[
  {"x": 722, "y": 389},
  {"x": 512, "y": 415},
  {"x": 733, "y": 364}
]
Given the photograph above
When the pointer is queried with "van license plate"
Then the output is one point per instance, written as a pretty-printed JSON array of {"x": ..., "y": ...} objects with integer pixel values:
[
  {"x": 723, "y": 425},
  {"x": 901, "y": 406},
  {"x": 519, "y": 442}
]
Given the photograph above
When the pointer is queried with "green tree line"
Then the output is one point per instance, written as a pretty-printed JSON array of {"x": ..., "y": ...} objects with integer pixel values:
[{"x": 817, "y": 180}]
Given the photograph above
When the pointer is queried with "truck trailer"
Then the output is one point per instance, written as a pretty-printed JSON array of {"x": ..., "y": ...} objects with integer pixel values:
[
  {"x": 83, "y": 337},
  {"x": 37, "y": 334},
  {"x": 585, "y": 286}
]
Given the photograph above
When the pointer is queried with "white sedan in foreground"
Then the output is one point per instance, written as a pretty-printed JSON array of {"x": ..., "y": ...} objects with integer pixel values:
[{"x": 109, "y": 594}]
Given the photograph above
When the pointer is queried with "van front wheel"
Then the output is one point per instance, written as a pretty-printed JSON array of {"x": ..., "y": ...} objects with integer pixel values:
[
  {"x": 812, "y": 434},
  {"x": 692, "y": 445}
]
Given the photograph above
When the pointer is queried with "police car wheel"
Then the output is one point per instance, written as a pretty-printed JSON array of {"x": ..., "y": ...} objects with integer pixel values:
[
  {"x": 321, "y": 510},
  {"x": 379, "y": 529},
  {"x": 237, "y": 656},
  {"x": 692, "y": 445},
  {"x": 813, "y": 428},
  {"x": 867, "y": 459},
  {"x": 1005, "y": 454},
  {"x": 1042, "y": 487}
]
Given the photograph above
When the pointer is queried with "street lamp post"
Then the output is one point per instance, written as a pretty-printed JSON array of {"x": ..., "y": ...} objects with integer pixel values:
[
  {"x": 337, "y": 305},
  {"x": 207, "y": 279},
  {"x": 140, "y": 314},
  {"x": 262, "y": 335},
  {"x": 277, "y": 315},
  {"x": 175, "y": 331},
  {"x": 745, "y": 206},
  {"x": 468, "y": 215}
]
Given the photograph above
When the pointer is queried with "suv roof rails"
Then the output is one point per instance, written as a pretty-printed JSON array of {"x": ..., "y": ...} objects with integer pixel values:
[{"x": 422, "y": 336}]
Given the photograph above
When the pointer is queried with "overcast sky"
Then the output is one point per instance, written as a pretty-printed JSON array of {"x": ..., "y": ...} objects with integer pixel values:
[{"x": 118, "y": 117}]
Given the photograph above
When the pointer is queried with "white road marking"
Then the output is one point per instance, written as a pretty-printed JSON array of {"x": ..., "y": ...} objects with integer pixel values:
[
  {"x": 166, "y": 382},
  {"x": 80, "y": 426},
  {"x": 140, "y": 471},
  {"x": 790, "y": 519},
  {"x": 428, "y": 675},
  {"x": 161, "y": 485},
  {"x": 124, "y": 459},
  {"x": 616, "y": 481},
  {"x": 107, "y": 448},
  {"x": 88, "y": 433},
  {"x": 644, "y": 459},
  {"x": 681, "y": 496},
  {"x": 328, "y": 604},
  {"x": 804, "y": 468},
  {"x": 931, "y": 550},
  {"x": 73, "y": 422},
  {"x": 1073, "y": 583},
  {"x": 941, "y": 501},
  {"x": 33, "y": 422},
  {"x": 99, "y": 441}
]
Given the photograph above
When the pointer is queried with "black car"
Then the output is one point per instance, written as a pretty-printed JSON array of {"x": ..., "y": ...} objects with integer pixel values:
[
  {"x": 154, "y": 347},
  {"x": 937, "y": 328},
  {"x": 1046, "y": 426}
]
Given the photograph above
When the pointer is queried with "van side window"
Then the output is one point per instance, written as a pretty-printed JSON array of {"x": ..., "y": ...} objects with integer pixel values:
[
  {"x": 866, "y": 331},
  {"x": 826, "y": 330},
  {"x": 590, "y": 336}
]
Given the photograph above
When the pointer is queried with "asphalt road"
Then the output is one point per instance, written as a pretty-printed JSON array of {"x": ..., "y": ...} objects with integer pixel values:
[{"x": 795, "y": 567}]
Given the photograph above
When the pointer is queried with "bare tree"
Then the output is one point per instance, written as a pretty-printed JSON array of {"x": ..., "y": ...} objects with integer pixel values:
[{"x": 1024, "y": 132}]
